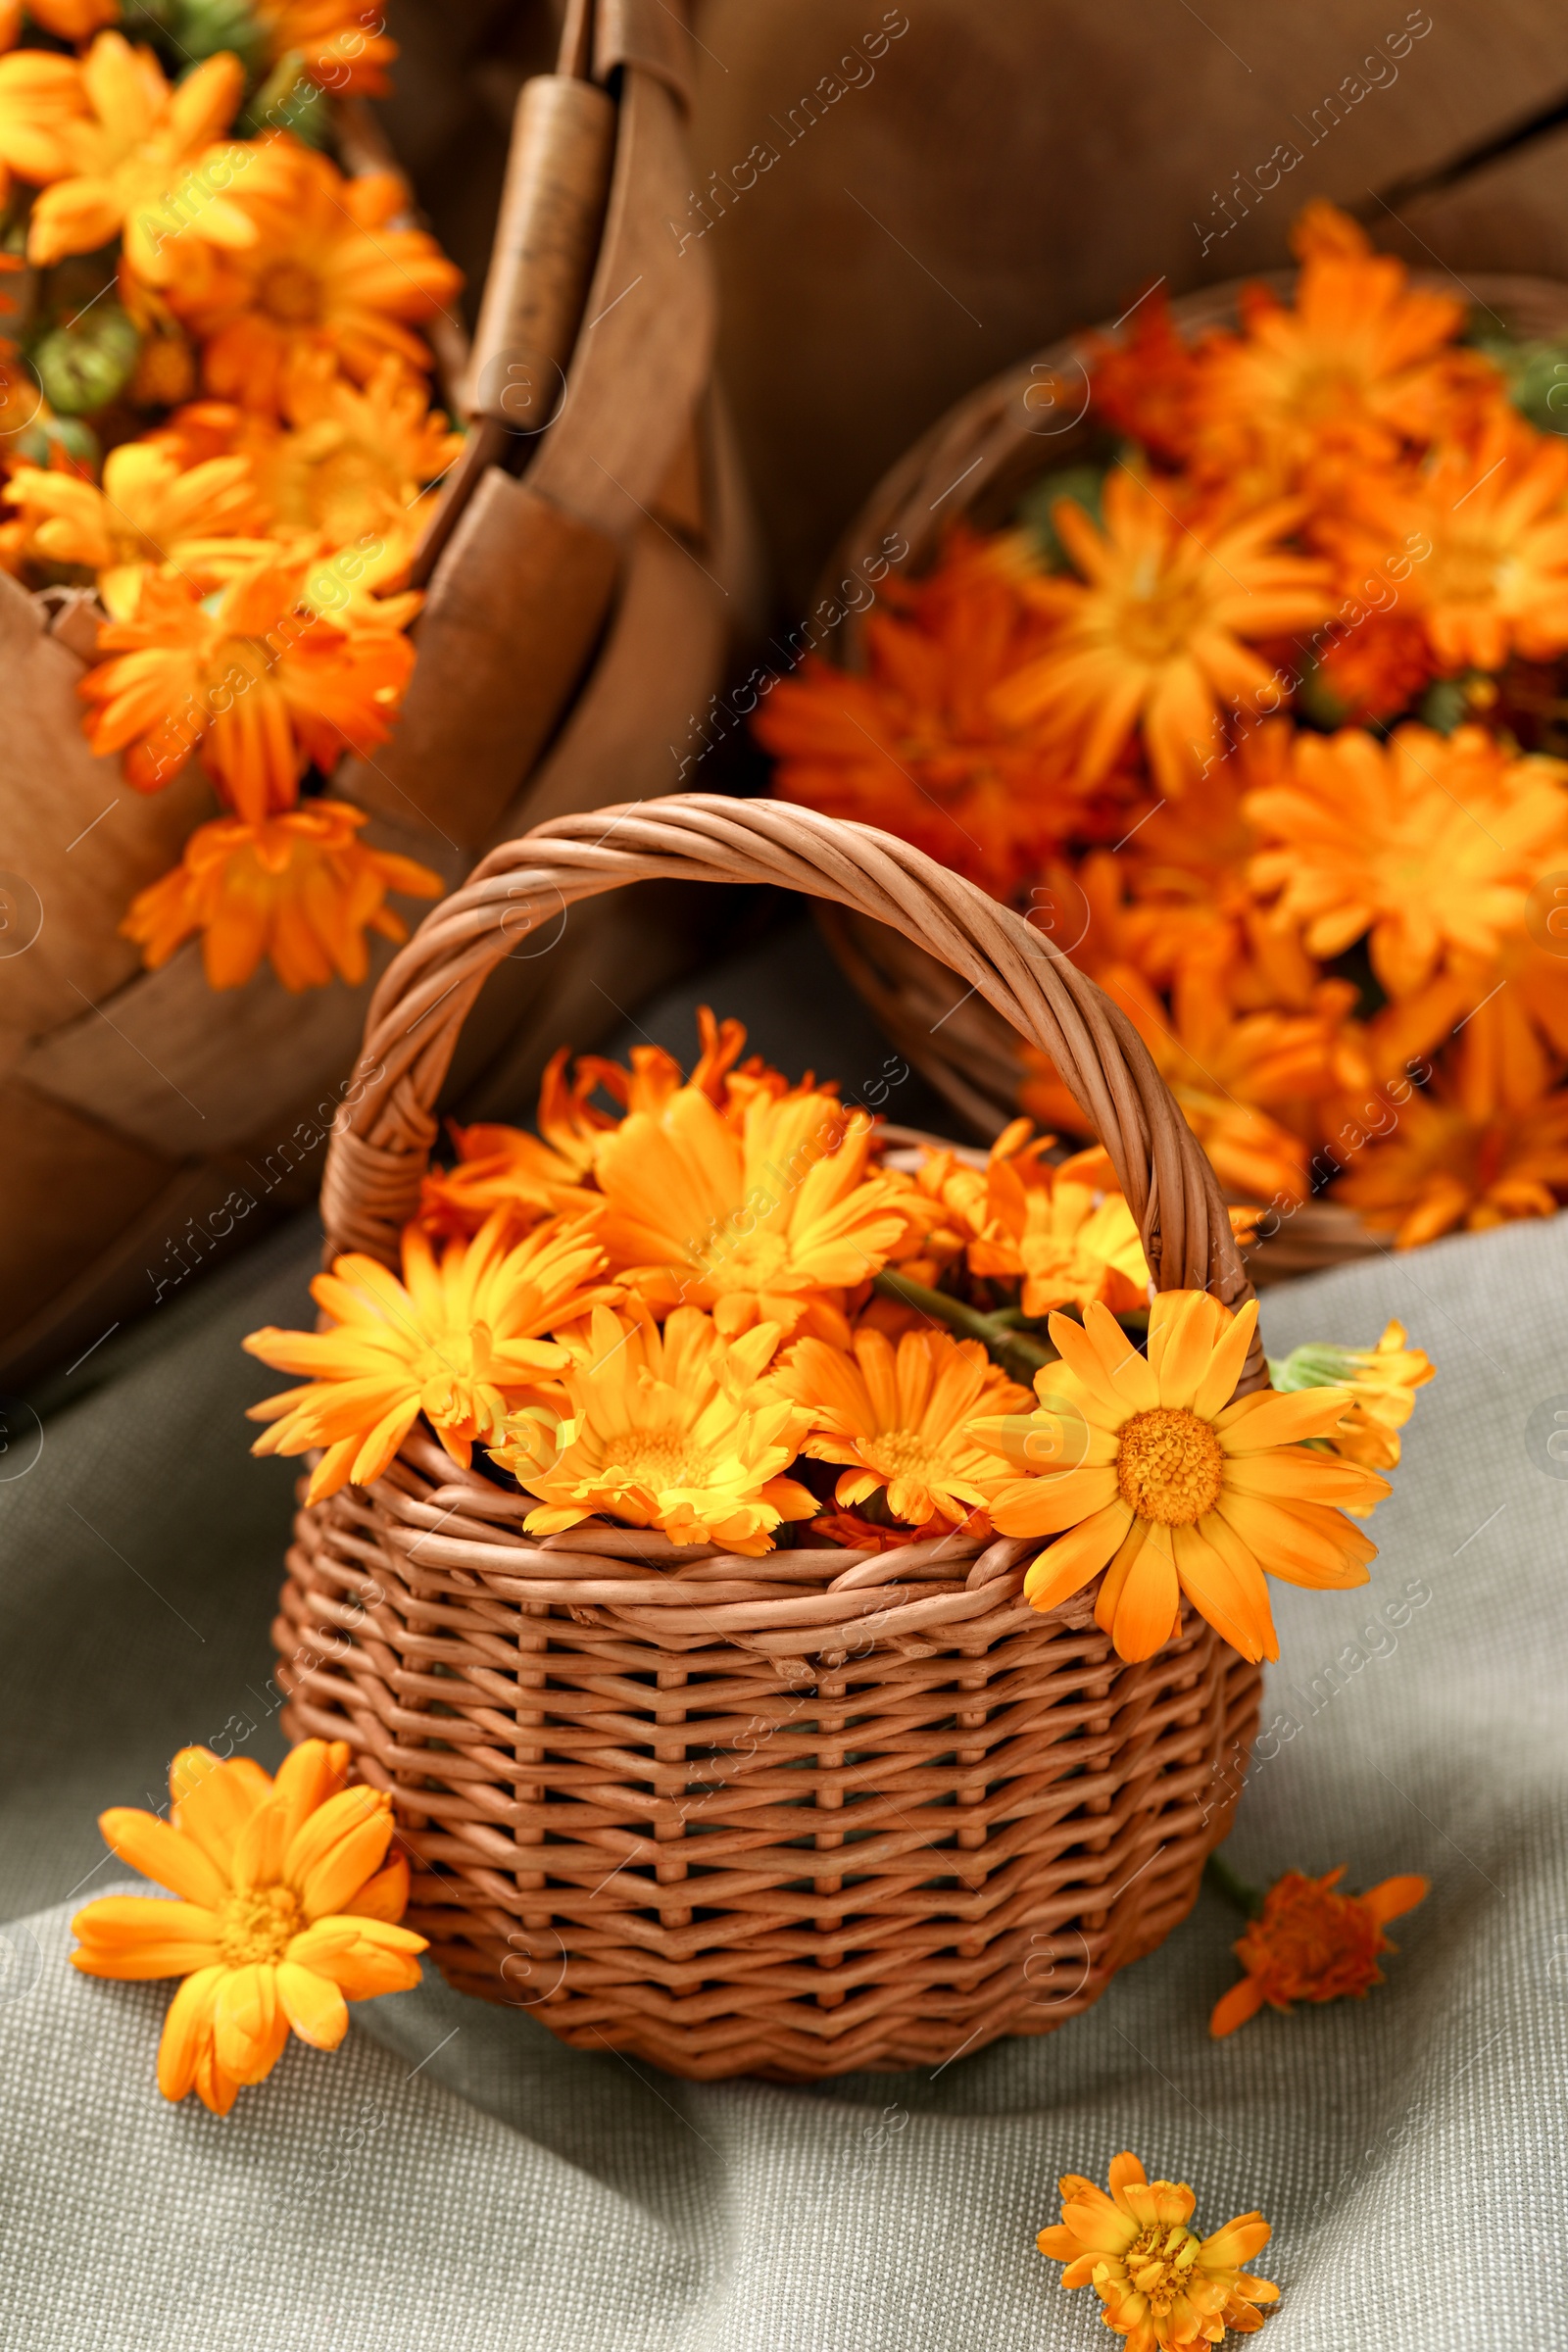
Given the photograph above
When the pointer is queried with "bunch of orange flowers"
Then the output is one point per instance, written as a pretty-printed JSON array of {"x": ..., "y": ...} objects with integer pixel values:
[
  {"x": 1260, "y": 712},
  {"x": 719, "y": 1308},
  {"x": 220, "y": 424}
]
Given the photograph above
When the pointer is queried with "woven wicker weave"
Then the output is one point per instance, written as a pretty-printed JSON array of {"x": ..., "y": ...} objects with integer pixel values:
[{"x": 796, "y": 1815}]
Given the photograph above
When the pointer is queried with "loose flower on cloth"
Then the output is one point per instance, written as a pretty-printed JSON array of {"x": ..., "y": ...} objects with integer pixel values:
[
  {"x": 1265, "y": 683},
  {"x": 285, "y": 1910},
  {"x": 215, "y": 342},
  {"x": 713, "y": 1306},
  {"x": 1311, "y": 1942},
  {"x": 1160, "y": 2283}
]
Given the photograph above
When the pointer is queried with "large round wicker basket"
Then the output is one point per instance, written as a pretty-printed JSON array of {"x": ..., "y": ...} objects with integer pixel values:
[
  {"x": 796, "y": 1815},
  {"x": 587, "y": 573},
  {"x": 974, "y": 465}
]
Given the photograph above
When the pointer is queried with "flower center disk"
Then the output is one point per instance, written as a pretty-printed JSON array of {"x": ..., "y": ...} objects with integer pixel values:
[
  {"x": 258, "y": 1924},
  {"x": 1169, "y": 1466},
  {"x": 1160, "y": 2264}
]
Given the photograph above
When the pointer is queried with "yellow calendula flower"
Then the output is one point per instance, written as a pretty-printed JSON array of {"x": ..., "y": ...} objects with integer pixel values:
[
  {"x": 901, "y": 1418},
  {"x": 459, "y": 1338},
  {"x": 665, "y": 1430},
  {"x": 286, "y": 1909},
  {"x": 40, "y": 95},
  {"x": 1161, "y": 2284},
  {"x": 1161, "y": 1474},
  {"x": 765, "y": 1225},
  {"x": 206, "y": 518},
  {"x": 131, "y": 168},
  {"x": 1382, "y": 1382},
  {"x": 355, "y": 462}
]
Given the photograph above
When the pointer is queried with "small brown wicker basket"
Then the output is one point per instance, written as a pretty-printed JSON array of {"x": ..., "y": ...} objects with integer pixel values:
[
  {"x": 989, "y": 448},
  {"x": 796, "y": 1815}
]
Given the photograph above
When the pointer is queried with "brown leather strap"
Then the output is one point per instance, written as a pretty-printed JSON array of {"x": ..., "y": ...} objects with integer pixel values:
[{"x": 650, "y": 34}]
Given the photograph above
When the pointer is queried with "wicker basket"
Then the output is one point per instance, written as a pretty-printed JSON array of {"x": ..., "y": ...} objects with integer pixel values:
[
  {"x": 994, "y": 443},
  {"x": 586, "y": 572},
  {"x": 796, "y": 1815}
]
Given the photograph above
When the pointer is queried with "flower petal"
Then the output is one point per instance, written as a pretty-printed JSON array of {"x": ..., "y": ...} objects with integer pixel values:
[
  {"x": 142, "y": 1936},
  {"x": 187, "y": 2032},
  {"x": 1234, "y": 2008},
  {"x": 1392, "y": 1897},
  {"x": 1066, "y": 1566},
  {"x": 342, "y": 1845},
  {"x": 315, "y": 2006},
  {"x": 1149, "y": 1601},
  {"x": 214, "y": 1802},
  {"x": 245, "y": 2021},
  {"x": 166, "y": 1854},
  {"x": 386, "y": 1895},
  {"x": 308, "y": 1774}
]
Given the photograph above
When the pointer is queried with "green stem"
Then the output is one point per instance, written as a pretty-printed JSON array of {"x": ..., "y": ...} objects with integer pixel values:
[
  {"x": 1235, "y": 1889},
  {"x": 1017, "y": 1352}
]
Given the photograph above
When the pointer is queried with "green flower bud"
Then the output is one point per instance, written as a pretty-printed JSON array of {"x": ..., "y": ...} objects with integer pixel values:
[
  {"x": 85, "y": 366},
  {"x": 289, "y": 100},
  {"x": 185, "y": 31},
  {"x": 37, "y": 443}
]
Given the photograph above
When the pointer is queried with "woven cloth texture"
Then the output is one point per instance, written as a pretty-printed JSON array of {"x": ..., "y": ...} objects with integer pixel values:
[{"x": 454, "y": 2176}]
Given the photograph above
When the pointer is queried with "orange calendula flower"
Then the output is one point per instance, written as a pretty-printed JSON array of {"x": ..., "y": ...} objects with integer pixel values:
[
  {"x": 132, "y": 169},
  {"x": 1429, "y": 844},
  {"x": 1156, "y": 637},
  {"x": 248, "y": 676},
  {"x": 1338, "y": 383},
  {"x": 1379, "y": 669},
  {"x": 1382, "y": 1382},
  {"x": 666, "y": 1430},
  {"x": 354, "y": 463},
  {"x": 341, "y": 44},
  {"x": 1237, "y": 1077},
  {"x": 327, "y": 269},
  {"x": 285, "y": 1910},
  {"x": 1461, "y": 1158},
  {"x": 899, "y": 1417},
  {"x": 149, "y": 513},
  {"x": 917, "y": 744},
  {"x": 298, "y": 888},
  {"x": 1312, "y": 1944},
  {"x": 73, "y": 19},
  {"x": 1161, "y": 2284},
  {"x": 1486, "y": 527},
  {"x": 770, "y": 1224},
  {"x": 1176, "y": 1484},
  {"x": 40, "y": 96},
  {"x": 1145, "y": 385},
  {"x": 501, "y": 1169},
  {"x": 1065, "y": 1232},
  {"x": 459, "y": 1338}
]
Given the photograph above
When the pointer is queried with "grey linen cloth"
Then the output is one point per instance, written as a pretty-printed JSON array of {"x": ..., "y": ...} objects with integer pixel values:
[{"x": 453, "y": 2177}]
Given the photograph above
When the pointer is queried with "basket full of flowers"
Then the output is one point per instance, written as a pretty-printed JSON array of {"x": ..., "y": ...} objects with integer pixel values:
[
  {"x": 1231, "y": 652},
  {"x": 288, "y": 630},
  {"x": 804, "y": 1590}
]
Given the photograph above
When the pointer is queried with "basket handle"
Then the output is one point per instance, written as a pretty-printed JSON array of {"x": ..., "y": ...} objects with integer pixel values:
[{"x": 386, "y": 1127}]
